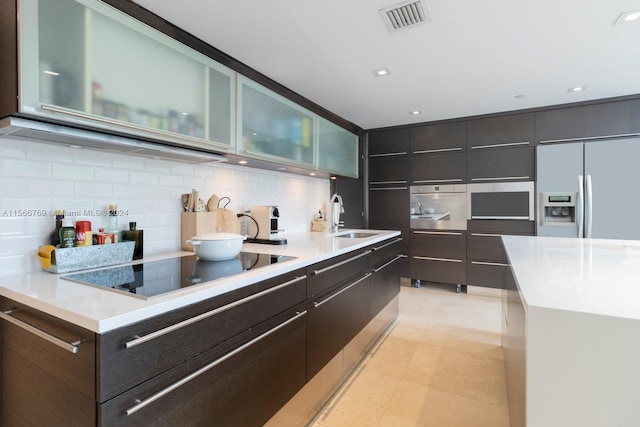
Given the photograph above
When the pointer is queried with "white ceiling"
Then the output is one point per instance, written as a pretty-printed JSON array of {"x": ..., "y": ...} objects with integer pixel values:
[{"x": 474, "y": 58}]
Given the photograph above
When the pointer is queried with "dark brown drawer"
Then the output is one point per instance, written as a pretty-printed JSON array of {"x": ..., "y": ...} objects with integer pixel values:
[
  {"x": 523, "y": 227},
  {"x": 440, "y": 270},
  {"x": 485, "y": 246},
  {"x": 385, "y": 251},
  {"x": 438, "y": 244},
  {"x": 328, "y": 274},
  {"x": 136, "y": 353},
  {"x": 48, "y": 369},
  {"x": 489, "y": 274},
  {"x": 241, "y": 382},
  {"x": 72, "y": 362},
  {"x": 484, "y": 240}
]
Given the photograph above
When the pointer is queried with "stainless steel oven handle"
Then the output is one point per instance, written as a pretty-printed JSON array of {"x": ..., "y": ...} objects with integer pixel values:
[
  {"x": 388, "y": 263},
  {"x": 486, "y": 235},
  {"x": 142, "y": 403},
  {"x": 331, "y": 267},
  {"x": 319, "y": 303},
  {"x": 142, "y": 339},
  {"x": 71, "y": 347},
  {"x": 399, "y": 239}
]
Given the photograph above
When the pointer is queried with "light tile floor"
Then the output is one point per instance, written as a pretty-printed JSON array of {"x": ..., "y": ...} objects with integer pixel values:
[{"x": 440, "y": 365}]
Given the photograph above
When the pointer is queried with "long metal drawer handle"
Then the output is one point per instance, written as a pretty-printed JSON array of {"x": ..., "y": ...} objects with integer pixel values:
[
  {"x": 388, "y": 188},
  {"x": 119, "y": 123},
  {"x": 331, "y": 267},
  {"x": 486, "y": 235},
  {"x": 439, "y": 233},
  {"x": 318, "y": 304},
  {"x": 437, "y": 150},
  {"x": 398, "y": 153},
  {"x": 160, "y": 332},
  {"x": 71, "y": 347},
  {"x": 387, "y": 244},
  {"x": 388, "y": 182},
  {"x": 438, "y": 259},
  {"x": 502, "y": 178},
  {"x": 498, "y": 264},
  {"x": 142, "y": 403},
  {"x": 386, "y": 264},
  {"x": 425, "y": 181},
  {"x": 504, "y": 144}
]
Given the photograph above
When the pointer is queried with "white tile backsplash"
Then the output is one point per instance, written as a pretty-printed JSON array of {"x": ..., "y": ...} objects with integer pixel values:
[{"x": 44, "y": 177}]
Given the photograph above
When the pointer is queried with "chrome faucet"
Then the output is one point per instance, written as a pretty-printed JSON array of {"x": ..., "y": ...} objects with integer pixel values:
[{"x": 337, "y": 208}]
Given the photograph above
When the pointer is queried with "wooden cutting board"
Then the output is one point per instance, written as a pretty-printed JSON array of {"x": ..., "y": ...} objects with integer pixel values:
[{"x": 227, "y": 221}]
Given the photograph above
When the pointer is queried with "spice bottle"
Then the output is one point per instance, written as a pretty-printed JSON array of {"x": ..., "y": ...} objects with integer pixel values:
[
  {"x": 67, "y": 234},
  {"x": 113, "y": 223},
  {"x": 135, "y": 235},
  {"x": 54, "y": 237}
]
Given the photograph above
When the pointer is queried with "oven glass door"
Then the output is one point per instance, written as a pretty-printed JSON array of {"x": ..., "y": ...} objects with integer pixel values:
[{"x": 501, "y": 201}]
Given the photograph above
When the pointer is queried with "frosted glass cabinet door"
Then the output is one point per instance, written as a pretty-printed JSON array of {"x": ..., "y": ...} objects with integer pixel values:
[
  {"x": 274, "y": 127},
  {"x": 337, "y": 149},
  {"x": 93, "y": 62}
]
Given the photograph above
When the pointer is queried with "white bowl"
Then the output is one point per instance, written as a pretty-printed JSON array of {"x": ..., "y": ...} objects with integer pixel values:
[
  {"x": 429, "y": 210},
  {"x": 217, "y": 246}
]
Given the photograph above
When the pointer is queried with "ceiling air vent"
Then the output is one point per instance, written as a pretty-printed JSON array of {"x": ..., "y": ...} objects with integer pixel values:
[{"x": 404, "y": 15}]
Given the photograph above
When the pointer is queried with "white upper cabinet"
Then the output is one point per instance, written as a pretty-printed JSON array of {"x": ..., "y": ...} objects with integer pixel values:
[
  {"x": 273, "y": 127},
  {"x": 337, "y": 149},
  {"x": 84, "y": 61},
  {"x": 87, "y": 64}
]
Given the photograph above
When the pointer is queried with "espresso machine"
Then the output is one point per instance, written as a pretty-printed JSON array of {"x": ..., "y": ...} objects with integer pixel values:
[{"x": 263, "y": 225}]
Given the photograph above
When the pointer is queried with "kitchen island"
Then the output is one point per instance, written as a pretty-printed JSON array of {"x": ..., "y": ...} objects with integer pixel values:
[
  {"x": 231, "y": 351},
  {"x": 571, "y": 329}
]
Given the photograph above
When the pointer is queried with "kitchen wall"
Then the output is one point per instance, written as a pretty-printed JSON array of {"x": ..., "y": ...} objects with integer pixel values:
[{"x": 36, "y": 178}]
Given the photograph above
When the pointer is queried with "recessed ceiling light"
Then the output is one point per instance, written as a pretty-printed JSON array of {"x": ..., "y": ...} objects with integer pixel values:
[
  {"x": 334, "y": 177},
  {"x": 312, "y": 173},
  {"x": 381, "y": 72},
  {"x": 632, "y": 15},
  {"x": 415, "y": 112},
  {"x": 242, "y": 162},
  {"x": 576, "y": 89}
]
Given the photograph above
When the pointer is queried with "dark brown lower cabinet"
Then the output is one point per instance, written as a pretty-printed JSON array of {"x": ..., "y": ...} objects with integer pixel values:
[
  {"x": 487, "y": 263},
  {"x": 438, "y": 256},
  {"x": 241, "y": 383},
  {"x": 44, "y": 383},
  {"x": 384, "y": 283},
  {"x": 333, "y": 320}
]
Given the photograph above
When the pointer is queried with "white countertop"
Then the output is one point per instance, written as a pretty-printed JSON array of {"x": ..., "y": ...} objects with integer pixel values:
[
  {"x": 593, "y": 276},
  {"x": 100, "y": 310}
]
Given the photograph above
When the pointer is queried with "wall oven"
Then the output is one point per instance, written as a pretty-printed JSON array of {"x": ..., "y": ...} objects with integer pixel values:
[
  {"x": 438, "y": 206},
  {"x": 501, "y": 200}
]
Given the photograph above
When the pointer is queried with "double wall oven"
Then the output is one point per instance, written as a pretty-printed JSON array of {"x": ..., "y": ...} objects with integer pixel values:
[{"x": 456, "y": 231}]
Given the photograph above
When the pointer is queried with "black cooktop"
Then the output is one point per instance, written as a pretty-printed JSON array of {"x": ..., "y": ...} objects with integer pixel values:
[{"x": 154, "y": 278}]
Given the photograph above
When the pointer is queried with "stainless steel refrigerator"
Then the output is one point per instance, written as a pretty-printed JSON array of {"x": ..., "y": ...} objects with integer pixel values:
[{"x": 589, "y": 189}]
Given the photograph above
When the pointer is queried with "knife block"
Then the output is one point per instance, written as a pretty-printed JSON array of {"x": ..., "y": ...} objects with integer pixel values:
[{"x": 195, "y": 224}]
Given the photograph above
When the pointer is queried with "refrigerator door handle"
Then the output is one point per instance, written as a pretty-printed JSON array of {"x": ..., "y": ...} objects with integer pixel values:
[
  {"x": 588, "y": 207},
  {"x": 580, "y": 207}
]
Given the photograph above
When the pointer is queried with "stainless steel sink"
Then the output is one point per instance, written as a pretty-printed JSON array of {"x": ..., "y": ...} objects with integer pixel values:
[{"x": 355, "y": 235}]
